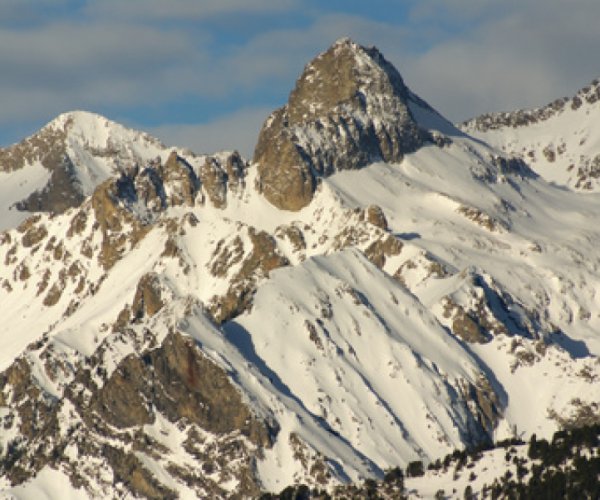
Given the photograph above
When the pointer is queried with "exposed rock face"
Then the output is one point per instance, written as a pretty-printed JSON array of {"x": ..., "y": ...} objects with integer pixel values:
[
  {"x": 61, "y": 193},
  {"x": 174, "y": 382},
  {"x": 47, "y": 146},
  {"x": 181, "y": 181},
  {"x": 147, "y": 300},
  {"x": 348, "y": 109},
  {"x": 218, "y": 175},
  {"x": 118, "y": 227},
  {"x": 180, "y": 383},
  {"x": 256, "y": 264}
]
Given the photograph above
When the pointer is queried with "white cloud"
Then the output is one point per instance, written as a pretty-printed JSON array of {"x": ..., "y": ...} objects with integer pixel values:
[
  {"x": 161, "y": 10},
  {"x": 237, "y": 130},
  {"x": 509, "y": 54},
  {"x": 463, "y": 56},
  {"x": 64, "y": 65}
]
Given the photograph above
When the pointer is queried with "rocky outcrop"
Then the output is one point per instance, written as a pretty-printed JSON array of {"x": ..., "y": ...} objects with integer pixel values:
[
  {"x": 178, "y": 381},
  {"x": 219, "y": 175},
  {"x": 80, "y": 150},
  {"x": 180, "y": 180},
  {"x": 174, "y": 382},
  {"x": 119, "y": 228},
  {"x": 250, "y": 267},
  {"x": 148, "y": 297},
  {"x": 47, "y": 147},
  {"x": 349, "y": 108}
]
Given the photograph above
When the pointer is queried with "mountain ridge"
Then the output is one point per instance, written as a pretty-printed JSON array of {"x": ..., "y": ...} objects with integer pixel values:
[
  {"x": 557, "y": 140},
  {"x": 451, "y": 277}
]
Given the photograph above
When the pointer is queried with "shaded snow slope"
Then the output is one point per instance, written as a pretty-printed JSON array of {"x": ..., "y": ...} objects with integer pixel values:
[{"x": 14, "y": 187}]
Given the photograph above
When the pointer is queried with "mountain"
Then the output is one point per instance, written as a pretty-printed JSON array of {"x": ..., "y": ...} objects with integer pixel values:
[
  {"x": 349, "y": 108},
  {"x": 558, "y": 141},
  {"x": 58, "y": 167},
  {"x": 376, "y": 287}
]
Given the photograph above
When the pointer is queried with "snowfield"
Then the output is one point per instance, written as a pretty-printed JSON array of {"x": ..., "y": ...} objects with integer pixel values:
[{"x": 411, "y": 309}]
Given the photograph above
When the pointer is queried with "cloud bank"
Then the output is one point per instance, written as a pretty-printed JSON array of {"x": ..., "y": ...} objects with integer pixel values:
[{"x": 197, "y": 72}]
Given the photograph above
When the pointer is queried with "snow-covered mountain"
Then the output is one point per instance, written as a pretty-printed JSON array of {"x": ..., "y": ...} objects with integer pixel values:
[
  {"x": 376, "y": 287},
  {"x": 59, "y": 166},
  {"x": 559, "y": 141}
]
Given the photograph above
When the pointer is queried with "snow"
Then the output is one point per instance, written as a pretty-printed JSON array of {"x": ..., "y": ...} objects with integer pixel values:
[
  {"x": 16, "y": 186},
  {"x": 569, "y": 135},
  {"x": 360, "y": 366},
  {"x": 370, "y": 357},
  {"x": 48, "y": 484}
]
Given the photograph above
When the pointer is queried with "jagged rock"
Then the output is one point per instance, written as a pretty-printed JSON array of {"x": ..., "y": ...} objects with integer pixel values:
[
  {"x": 147, "y": 300},
  {"x": 348, "y": 109},
  {"x": 235, "y": 167},
  {"x": 220, "y": 174},
  {"x": 374, "y": 215},
  {"x": 526, "y": 117},
  {"x": 117, "y": 225},
  {"x": 47, "y": 147},
  {"x": 178, "y": 381},
  {"x": 255, "y": 265},
  {"x": 127, "y": 468},
  {"x": 149, "y": 189},
  {"x": 174, "y": 379},
  {"x": 464, "y": 325},
  {"x": 76, "y": 162},
  {"x": 214, "y": 182},
  {"x": 378, "y": 251},
  {"x": 180, "y": 180},
  {"x": 34, "y": 233},
  {"x": 294, "y": 235}
]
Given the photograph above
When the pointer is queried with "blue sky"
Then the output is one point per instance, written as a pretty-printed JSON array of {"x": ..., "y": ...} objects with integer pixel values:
[{"x": 205, "y": 74}]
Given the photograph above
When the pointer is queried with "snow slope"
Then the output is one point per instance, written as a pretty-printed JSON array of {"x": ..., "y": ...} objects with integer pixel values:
[
  {"x": 409, "y": 309},
  {"x": 15, "y": 186},
  {"x": 559, "y": 141}
]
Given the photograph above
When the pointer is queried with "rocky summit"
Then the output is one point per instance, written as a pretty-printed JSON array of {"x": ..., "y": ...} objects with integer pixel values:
[
  {"x": 349, "y": 108},
  {"x": 378, "y": 305}
]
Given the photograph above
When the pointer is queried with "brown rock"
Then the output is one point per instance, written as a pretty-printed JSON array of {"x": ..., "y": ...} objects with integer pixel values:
[
  {"x": 214, "y": 182},
  {"x": 178, "y": 381},
  {"x": 263, "y": 258},
  {"x": 62, "y": 191},
  {"x": 374, "y": 215},
  {"x": 348, "y": 109},
  {"x": 285, "y": 177},
  {"x": 147, "y": 301},
  {"x": 181, "y": 183},
  {"x": 111, "y": 217}
]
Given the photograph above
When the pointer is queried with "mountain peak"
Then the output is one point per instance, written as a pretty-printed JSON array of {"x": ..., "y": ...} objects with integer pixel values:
[
  {"x": 97, "y": 130},
  {"x": 345, "y": 73},
  {"x": 79, "y": 150},
  {"x": 349, "y": 108}
]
